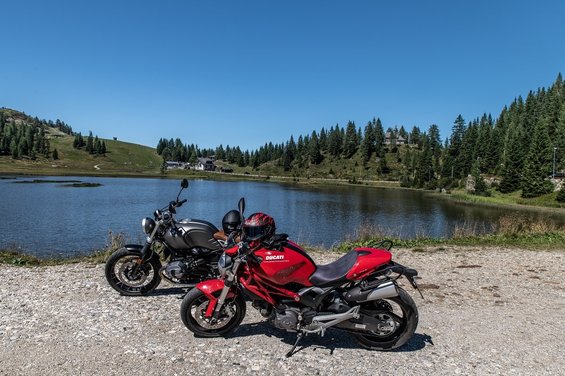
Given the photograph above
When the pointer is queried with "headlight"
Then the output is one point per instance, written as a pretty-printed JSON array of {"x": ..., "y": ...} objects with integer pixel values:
[
  {"x": 224, "y": 263},
  {"x": 148, "y": 225}
]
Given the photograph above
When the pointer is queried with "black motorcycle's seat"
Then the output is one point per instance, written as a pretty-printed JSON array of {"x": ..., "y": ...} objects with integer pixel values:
[{"x": 333, "y": 274}]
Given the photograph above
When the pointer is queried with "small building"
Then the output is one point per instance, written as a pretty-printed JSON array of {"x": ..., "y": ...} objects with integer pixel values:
[
  {"x": 172, "y": 165},
  {"x": 205, "y": 164},
  {"x": 395, "y": 137}
]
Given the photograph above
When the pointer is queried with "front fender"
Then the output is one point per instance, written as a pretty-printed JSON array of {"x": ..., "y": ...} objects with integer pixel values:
[
  {"x": 133, "y": 247},
  {"x": 212, "y": 289},
  {"x": 136, "y": 248}
]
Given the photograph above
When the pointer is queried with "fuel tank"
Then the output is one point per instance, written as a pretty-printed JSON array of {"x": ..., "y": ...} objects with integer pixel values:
[
  {"x": 290, "y": 264},
  {"x": 193, "y": 233}
]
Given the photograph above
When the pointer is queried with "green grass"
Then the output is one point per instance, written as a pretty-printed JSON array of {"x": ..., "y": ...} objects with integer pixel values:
[
  {"x": 19, "y": 258},
  {"x": 122, "y": 159},
  {"x": 508, "y": 199},
  {"x": 509, "y": 231}
]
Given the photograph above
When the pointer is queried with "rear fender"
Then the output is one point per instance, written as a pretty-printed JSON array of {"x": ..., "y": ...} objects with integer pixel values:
[
  {"x": 212, "y": 289},
  {"x": 368, "y": 260}
]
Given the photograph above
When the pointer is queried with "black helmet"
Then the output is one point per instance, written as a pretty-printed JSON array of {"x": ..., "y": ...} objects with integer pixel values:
[
  {"x": 231, "y": 221},
  {"x": 259, "y": 226}
]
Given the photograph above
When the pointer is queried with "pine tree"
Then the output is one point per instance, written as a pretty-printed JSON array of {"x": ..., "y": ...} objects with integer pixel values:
[
  {"x": 537, "y": 164},
  {"x": 480, "y": 185},
  {"x": 314, "y": 150},
  {"x": 379, "y": 138},
  {"x": 368, "y": 144},
  {"x": 415, "y": 137},
  {"x": 55, "y": 154},
  {"x": 351, "y": 142},
  {"x": 457, "y": 133},
  {"x": 287, "y": 159},
  {"x": 513, "y": 161},
  {"x": 90, "y": 143},
  {"x": 424, "y": 172},
  {"x": 323, "y": 141},
  {"x": 466, "y": 155},
  {"x": 435, "y": 147},
  {"x": 335, "y": 141}
]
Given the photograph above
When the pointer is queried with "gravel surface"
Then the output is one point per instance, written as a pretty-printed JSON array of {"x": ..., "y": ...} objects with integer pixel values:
[{"x": 486, "y": 311}]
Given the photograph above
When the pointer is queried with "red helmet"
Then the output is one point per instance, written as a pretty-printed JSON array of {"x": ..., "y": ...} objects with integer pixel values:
[{"x": 258, "y": 226}]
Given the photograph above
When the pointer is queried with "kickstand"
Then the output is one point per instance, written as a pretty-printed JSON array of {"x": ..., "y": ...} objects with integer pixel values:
[{"x": 298, "y": 338}]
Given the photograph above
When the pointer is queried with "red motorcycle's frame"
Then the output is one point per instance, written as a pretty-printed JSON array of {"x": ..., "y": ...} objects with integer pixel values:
[
  {"x": 353, "y": 293},
  {"x": 264, "y": 279}
]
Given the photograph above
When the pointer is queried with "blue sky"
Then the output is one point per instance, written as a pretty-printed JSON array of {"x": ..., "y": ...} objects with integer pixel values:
[{"x": 248, "y": 72}]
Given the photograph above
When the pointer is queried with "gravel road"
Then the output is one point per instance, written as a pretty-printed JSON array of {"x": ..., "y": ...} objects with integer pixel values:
[{"x": 486, "y": 311}]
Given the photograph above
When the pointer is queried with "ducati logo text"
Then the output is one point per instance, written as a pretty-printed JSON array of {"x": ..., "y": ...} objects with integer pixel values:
[{"x": 272, "y": 258}]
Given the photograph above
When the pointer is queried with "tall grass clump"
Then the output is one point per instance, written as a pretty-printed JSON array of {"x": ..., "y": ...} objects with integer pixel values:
[
  {"x": 15, "y": 256},
  {"x": 511, "y": 231},
  {"x": 114, "y": 242}
]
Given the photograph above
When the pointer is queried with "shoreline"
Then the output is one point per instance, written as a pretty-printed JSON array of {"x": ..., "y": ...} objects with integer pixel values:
[{"x": 296, "y": 181}]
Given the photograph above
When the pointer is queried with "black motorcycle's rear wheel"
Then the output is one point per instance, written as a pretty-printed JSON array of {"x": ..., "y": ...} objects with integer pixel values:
[
  {"x": 193, "y": 309},
  {"x": 400, "y": 318},
  {"x": 121, "y": 276}
]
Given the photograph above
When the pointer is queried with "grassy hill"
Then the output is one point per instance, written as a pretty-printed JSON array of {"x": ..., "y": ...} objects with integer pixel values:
[
  {"x": 352, "y": 169},
  {"x": 122, "y": 158}
]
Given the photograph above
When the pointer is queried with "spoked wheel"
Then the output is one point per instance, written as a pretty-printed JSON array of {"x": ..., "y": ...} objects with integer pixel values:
[
  {"x": 399, "y": 318},
  {"x": 193, "y": 310},
  {"x": 122, "y": 276}
]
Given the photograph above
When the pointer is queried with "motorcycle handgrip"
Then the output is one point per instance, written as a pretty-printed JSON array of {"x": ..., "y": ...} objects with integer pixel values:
[{"x": 181, "y": 202}]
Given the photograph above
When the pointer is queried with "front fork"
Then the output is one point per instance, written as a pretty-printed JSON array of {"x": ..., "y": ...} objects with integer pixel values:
[
  {"x": 146, "y": 251},
  {"x": 228, "y": 283}
]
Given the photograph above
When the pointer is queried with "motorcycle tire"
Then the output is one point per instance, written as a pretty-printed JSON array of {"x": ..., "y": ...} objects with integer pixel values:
[
  {"x": 406, "y": 324},
  {"x": 194, "y": 306},
  {"x": 119, "y": 269}
]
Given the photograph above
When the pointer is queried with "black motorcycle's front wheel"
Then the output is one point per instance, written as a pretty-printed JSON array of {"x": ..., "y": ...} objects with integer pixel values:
[
  {"x": 398, "y": 317},
  {"x": 193, "y": 310},
  {"x": 124, "y": 277}
]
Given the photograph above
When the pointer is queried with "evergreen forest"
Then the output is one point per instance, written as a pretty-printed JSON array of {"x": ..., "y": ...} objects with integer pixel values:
[{"x": 518, "y": 150}]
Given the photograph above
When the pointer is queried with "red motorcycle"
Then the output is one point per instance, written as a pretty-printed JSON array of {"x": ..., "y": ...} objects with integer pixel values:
[{"x": 357, "y": 293}]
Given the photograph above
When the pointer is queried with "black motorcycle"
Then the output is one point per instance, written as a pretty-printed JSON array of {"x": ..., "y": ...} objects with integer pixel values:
[{"x": 190, "y": 249}]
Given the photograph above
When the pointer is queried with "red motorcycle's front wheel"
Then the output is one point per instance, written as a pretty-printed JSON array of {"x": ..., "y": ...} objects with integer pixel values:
[{"x": 193, "y": 310}]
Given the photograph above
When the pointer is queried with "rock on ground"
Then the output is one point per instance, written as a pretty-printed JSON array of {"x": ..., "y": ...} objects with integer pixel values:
[{"x": 486, "y": 311}]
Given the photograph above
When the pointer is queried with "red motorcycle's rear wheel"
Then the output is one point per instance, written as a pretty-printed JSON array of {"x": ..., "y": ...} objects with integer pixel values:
[
  {"x": 193, "y": 309},
  {"x": 401, "y": 315}
]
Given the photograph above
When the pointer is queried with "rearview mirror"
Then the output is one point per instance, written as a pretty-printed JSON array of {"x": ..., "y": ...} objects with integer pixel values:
[
  {"x": 241, "y": 206},
  {"x": 184, "y": 183}
]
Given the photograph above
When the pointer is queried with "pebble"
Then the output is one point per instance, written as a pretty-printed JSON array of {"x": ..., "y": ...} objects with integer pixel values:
[{"x": 66, "y": 320}]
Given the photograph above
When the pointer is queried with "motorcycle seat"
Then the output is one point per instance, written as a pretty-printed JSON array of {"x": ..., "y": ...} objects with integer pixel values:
[
  {"x": 333, "y": 274},
  {"x": 221, "y": 235}
]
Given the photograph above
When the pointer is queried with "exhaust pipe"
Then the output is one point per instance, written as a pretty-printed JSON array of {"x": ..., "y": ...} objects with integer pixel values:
[{"x": 383, "y": 291}]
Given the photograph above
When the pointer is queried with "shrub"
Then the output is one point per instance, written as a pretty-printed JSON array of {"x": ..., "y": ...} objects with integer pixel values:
[{"x": 561, "y": 195}]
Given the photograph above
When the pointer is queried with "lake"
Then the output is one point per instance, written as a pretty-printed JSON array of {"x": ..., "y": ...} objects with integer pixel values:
[{"x": 51, "y": 218}]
